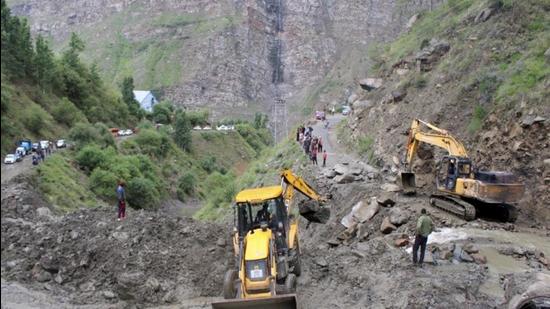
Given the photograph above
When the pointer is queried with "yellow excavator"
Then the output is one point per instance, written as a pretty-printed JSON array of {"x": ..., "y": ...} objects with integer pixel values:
[
  {"x": 266, "y": 246},
  {"x": 462, "y": 190}
]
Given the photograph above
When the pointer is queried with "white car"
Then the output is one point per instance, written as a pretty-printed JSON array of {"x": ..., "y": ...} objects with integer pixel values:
[
  {"x": 44, "y": 144},
  {"x": 61, "y": 143},
  {"x": 10, "y": 158},
  {"x": 346, "y": 110}
]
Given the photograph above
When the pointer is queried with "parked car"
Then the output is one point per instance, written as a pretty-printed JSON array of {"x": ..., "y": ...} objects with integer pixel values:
[
  {"x": 44, "y": 144},
  {"x": 35, "y": 146},
  {"x": 21, "y": 151},
  {"x": 10, "y": 159},
  {"x": 61, "y": 143},
  {"x": 346, "y": 110}
]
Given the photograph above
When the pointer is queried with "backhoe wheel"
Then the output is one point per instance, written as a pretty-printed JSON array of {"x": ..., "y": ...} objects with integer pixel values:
[
  {"x": 229, "y": 284},
  {"x": 290, "y": 284}
]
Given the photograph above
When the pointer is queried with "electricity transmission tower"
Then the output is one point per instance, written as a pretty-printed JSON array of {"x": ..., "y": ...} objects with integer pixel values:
[{"x": 279, "y": 119}]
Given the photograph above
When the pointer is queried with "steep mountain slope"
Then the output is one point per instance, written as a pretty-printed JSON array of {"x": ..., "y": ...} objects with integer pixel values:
[
  {"x": 480, "y": 70},
  {"x": 235, "y": 56}
]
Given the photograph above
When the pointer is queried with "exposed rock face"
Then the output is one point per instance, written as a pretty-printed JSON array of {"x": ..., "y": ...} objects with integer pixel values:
[{"x": 235, "y": 57}]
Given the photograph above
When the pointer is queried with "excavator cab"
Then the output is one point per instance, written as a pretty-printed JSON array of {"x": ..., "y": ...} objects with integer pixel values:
[{"x": 450, "y": 169}]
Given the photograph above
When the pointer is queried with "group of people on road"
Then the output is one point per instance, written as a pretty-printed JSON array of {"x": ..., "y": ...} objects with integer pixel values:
[
  {"x": 312, "y": 145},
  {"x": 40, "y": 154}
]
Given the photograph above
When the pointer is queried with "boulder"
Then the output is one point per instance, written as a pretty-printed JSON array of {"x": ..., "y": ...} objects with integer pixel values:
[
  {"x": 484, "y": 15},
  {"x": 333, "y": 242},
  {"x": 398, "y": 216},
  {"x": 313, "y": 211},
  {"x": 386, "y": 227},
  {"x": 321, "y": 262},
  {"x": 121, "y": 236},
  {"x": 370, "y": 84},
  {"x": 58, "y": 278},
  {"x": 49, "y": 262},
  {"x": 361, "y": 105},
  {"x": 356, "y": 170},
  {"x": 411, "y": 22},
  {"x": 390, "y": 187},
  {"x": 401, "y": 242},
  {"x": 386, "y": 199},
  {"x": 109, "y": 294},
  {"x": 74, "y": 235},
  {"x": 221, "y": 242},
  {"x": 360, "y": 213},
  {"x": 470, "y": 248},
  {"x": 529, "y": 120},
  {"x": 43, "y": 276},
  {"x": 479, "y": 258},
  {"x": 44, "y": 212},
  {"x": 330, "y": 173},
  {"x": 362, "y": 231},
  {"x": 461, "y": 256},
  {"x": 347, "y": 178},
  {"x": 341, "y": 169},
  {"x": 152, "y": 284},
  {"x": 398, "y": 95}
]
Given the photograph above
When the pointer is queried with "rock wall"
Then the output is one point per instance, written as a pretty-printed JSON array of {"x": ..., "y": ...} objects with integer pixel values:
[{"x": 240, "y": 57}]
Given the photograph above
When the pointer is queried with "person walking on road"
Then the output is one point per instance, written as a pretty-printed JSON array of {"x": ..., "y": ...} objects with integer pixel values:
[
  {"x": 325, "y": 155},
  {"x": 121, "y": 196},
  {"x": 314, "y": 157},
  {"x": 424, "y": 227}
]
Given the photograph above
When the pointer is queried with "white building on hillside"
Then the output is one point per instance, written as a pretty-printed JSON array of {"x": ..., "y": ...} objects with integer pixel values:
[{"x": 146, "y": 99}]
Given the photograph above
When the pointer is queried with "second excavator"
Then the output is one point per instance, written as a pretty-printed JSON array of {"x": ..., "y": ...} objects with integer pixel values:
[{"x": 462, "y": 190}]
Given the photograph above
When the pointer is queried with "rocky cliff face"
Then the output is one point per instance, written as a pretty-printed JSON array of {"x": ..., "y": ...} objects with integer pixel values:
[{"x": 235, "y": 57}]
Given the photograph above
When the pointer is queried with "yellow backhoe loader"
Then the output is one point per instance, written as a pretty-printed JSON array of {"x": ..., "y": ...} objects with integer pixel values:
[
  {"x": 461, "y": 188},
  {"x": 266, "y": 247}
]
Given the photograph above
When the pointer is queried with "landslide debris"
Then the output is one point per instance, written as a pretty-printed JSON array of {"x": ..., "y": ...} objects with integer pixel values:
[{"x": 89, "y": 258}]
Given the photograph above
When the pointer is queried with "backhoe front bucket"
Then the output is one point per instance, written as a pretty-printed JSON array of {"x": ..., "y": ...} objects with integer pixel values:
[
  {"x": 408, "y": 182},
  {"x": 287, "y": 301}
]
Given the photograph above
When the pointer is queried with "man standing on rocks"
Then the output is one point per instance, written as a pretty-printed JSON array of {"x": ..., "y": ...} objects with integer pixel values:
[
  {"x": 424, "y": 227},
  {"x": 121, "y": 196}
]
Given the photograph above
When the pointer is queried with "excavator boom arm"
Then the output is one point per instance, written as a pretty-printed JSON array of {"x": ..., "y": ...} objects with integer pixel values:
[{"x": 440, "y": 138}]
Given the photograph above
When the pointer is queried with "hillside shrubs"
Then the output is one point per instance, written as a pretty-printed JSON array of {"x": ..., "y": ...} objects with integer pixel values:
[
  {"x": 142, "y": 193},
  {"x": 83, "y": 134}
]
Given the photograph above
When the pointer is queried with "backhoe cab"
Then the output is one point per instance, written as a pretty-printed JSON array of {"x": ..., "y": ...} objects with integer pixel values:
[
  {"x": 266, "y": 246},
  {"x": 266, "y": 252}
]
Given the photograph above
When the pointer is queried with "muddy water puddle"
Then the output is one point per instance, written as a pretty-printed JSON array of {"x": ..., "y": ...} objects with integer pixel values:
[{"x": 488, "y": 242}]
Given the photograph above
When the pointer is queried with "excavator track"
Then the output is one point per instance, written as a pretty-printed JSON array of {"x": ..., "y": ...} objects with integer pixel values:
[{"x": 453, "y": 205}]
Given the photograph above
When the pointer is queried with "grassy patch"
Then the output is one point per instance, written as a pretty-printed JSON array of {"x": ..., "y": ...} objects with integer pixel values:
[
  {"x": 365, "y": 147},
  {"x": 477, "y": 119},
  {"x": 64, "y": 187}
]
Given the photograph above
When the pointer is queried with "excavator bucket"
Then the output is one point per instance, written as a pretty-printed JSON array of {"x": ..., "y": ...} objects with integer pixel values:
[
  {"x": 408, "y": 182},
  {"x": 287, "y": 301}
]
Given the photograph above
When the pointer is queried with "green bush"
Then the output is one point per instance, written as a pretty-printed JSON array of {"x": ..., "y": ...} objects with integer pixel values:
[
  {"x": 67, "y": 113},
  {"x": 219, "y": 191},
  {"x": 162, "y": 112},
  {"x": 152, "y": 142},
  {"x": 103, "y": 183},
  {"x": 209, "y": 164},
  {"x": 198, "y": 117},
  {"x": 90, "y": 157},
  {"x": 83, "y": 134},
  {"x": 365, "y": 147},
  {"x": 477, "y": 119},
  {"x": 186, "y": 185},
  {"x": 129, "y": 147},
  {"x": 34, "y": 118},
  {"x": 141, "y": 193}
]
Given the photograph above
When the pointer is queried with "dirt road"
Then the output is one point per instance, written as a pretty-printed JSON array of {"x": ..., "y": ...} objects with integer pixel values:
[
  {"x": 336, "y": 152},
  {"x": 11, "y": 170}
]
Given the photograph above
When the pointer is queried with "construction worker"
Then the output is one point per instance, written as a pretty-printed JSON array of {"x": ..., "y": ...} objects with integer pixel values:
[
  {"x": 121, "y": 196},
  {"x": 424, "y": 227}
]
